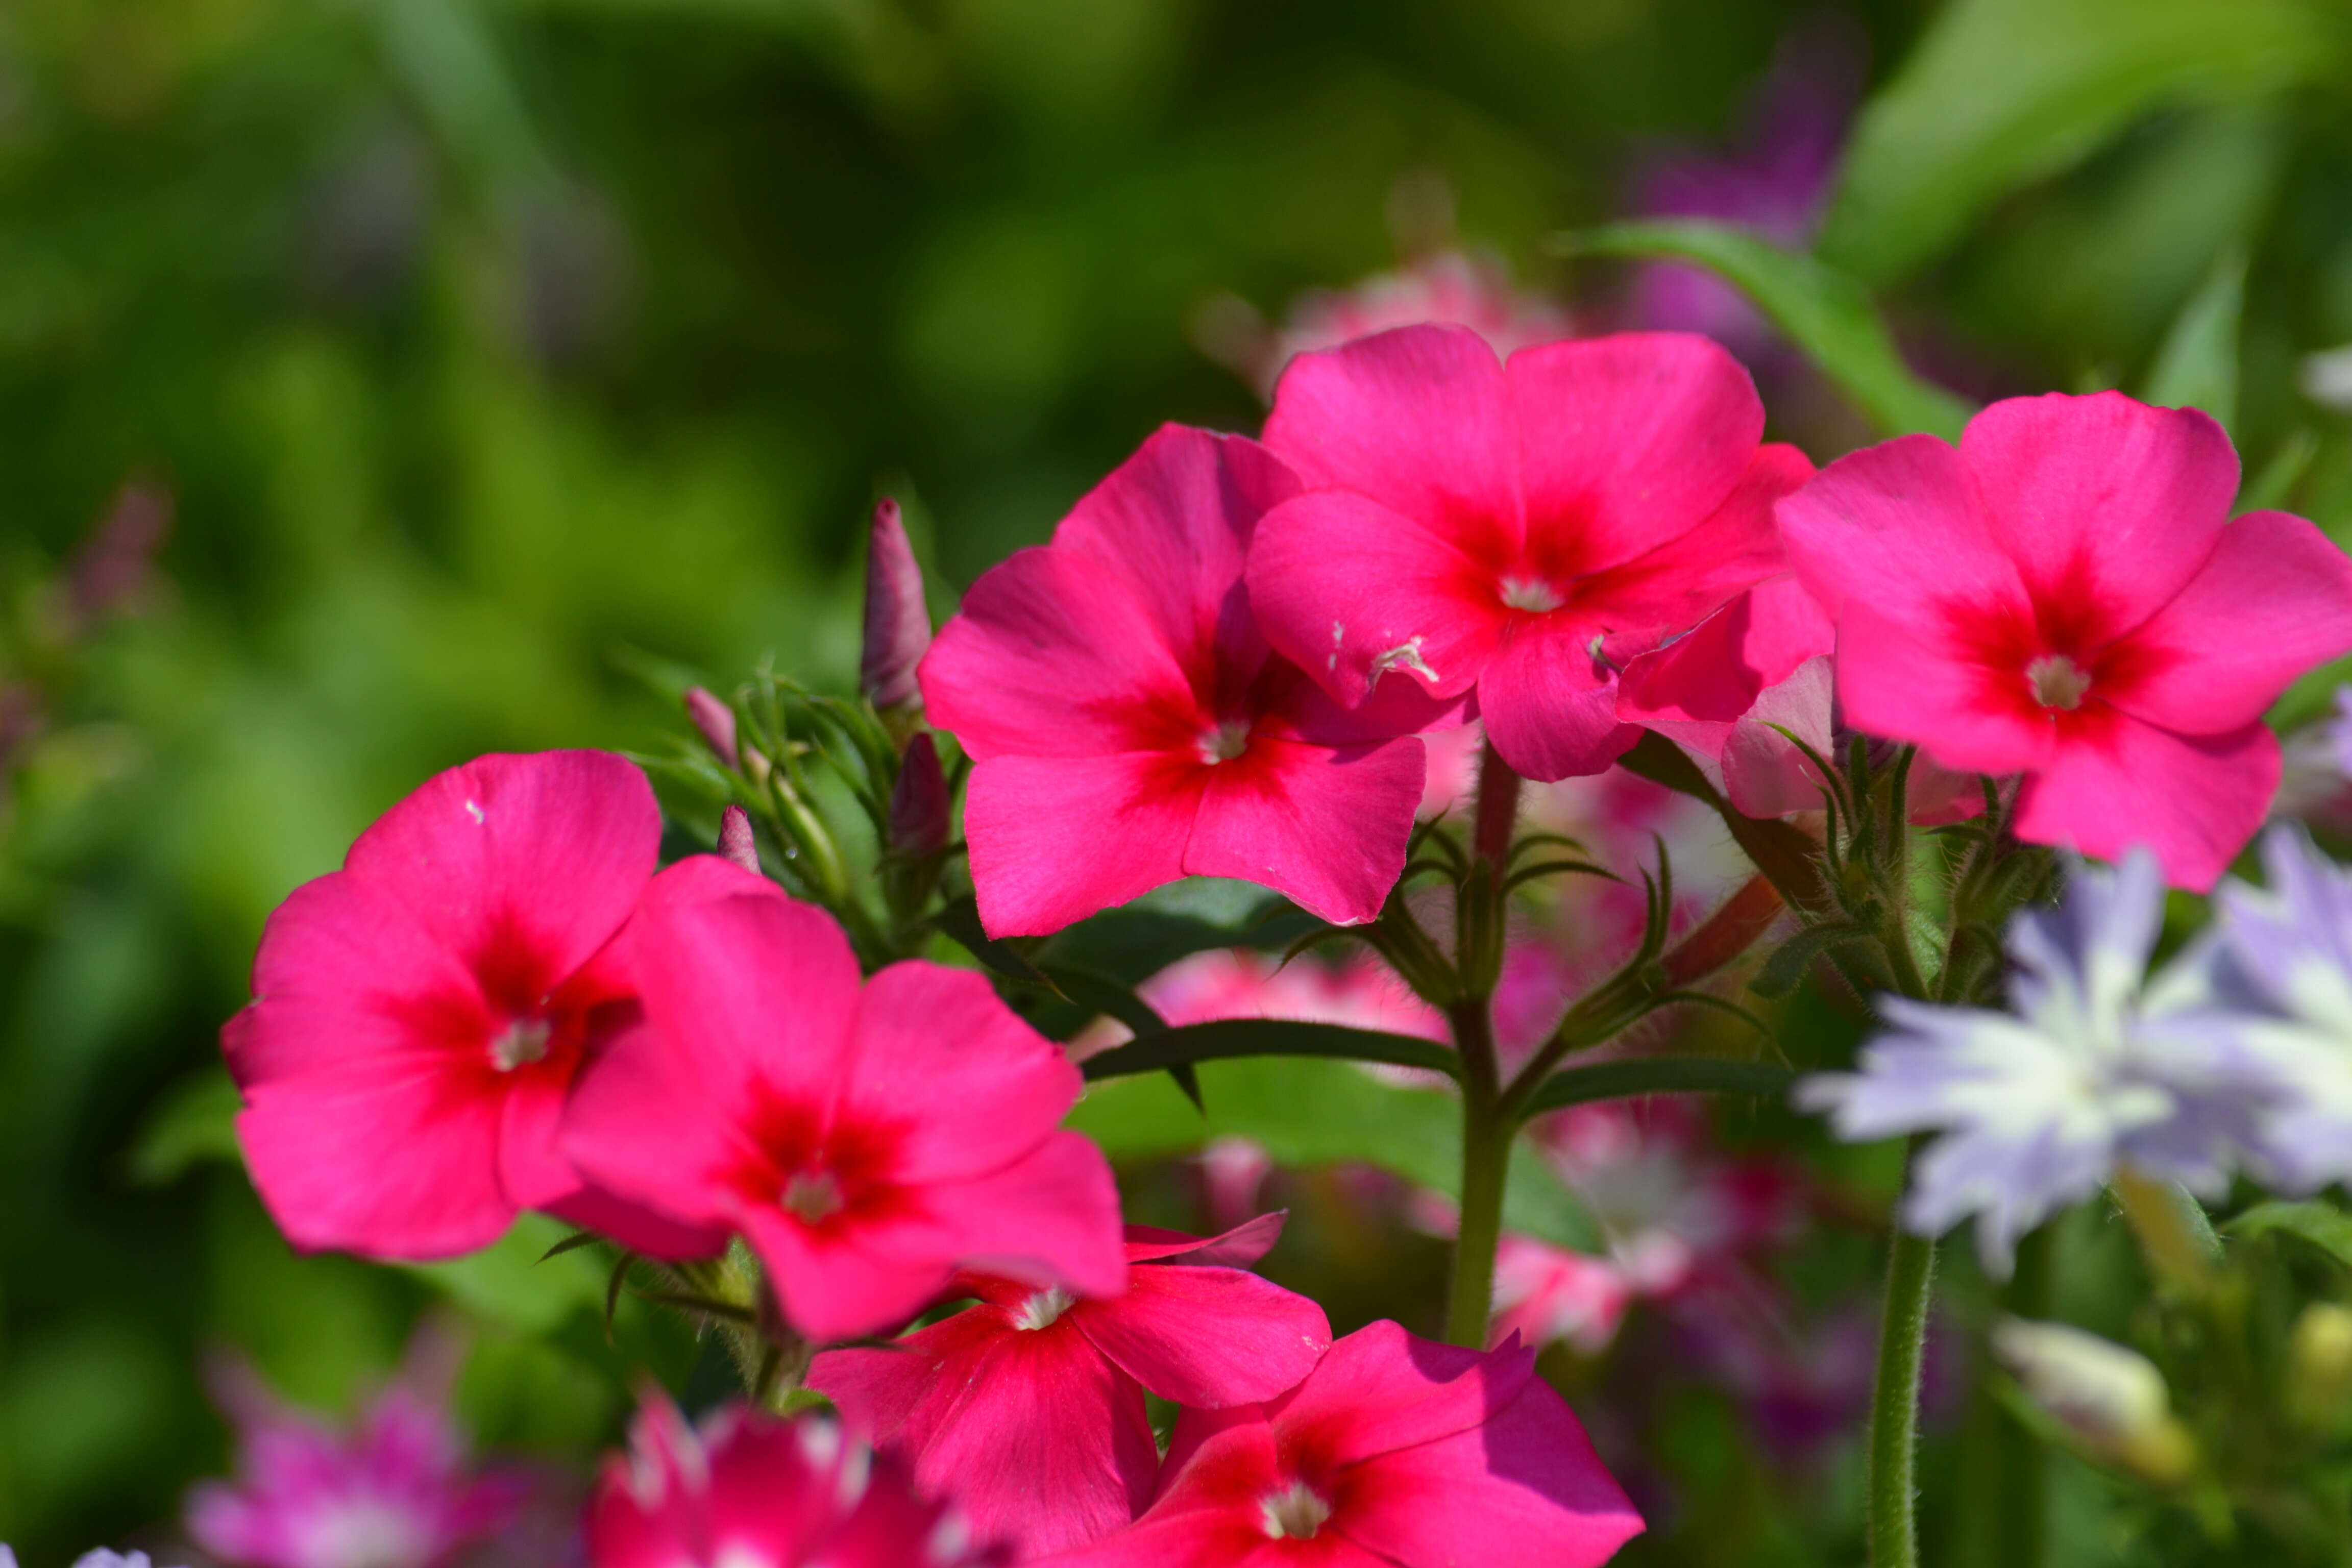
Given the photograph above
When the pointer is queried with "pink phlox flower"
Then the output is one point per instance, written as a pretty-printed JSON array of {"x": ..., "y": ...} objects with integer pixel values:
[
  {"x": 1544, "y": 1293},
  {"x": 420, "y": 1014},
  {"x": 1517, "y": 529},
  {"x": 1115, "y": 690},
  {"x": 1030, "y": 1404},
  {"x": 1395, "y": 1453},
  {"x": 2065, "y": 595},
  {"x": 1751, "y": 683},
  {"x": 745, "y": 1490},
  {"x": 396, "y": 1489},
  {"x": 1448, "y": 287},
  {"x": 1671, "y": 1209},
  {"x": 868, "y": 1140},
  {"x": 1233, "y": 1170}
]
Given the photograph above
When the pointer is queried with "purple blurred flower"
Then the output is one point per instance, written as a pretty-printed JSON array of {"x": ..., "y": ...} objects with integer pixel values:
[
  {"x": 1776, "y": 181},
  {"x": 98, "y": 1558},
  {"x": 2094, "y": 1065},
  {"x": 2283, "y": 969},
  {"x": 398, "y": 1490}
]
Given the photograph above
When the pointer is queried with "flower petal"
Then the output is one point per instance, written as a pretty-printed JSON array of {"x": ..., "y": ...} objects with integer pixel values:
[
  {"x": 930, "y": 1035},
  {"x": 1381, "y": 1389},
  {"x": 1898, "y": 528},
  {"x": 1134, "y": 813},
  {"x": 1327, "y": 828},
  {"x": 1352, "y": 590},
  {"x": 1418, "y": 419},
  {"x": 1548, "y": 712},
  {"x": 545, "y": 852},
  {"x": 2102, "y": 500},
  {"x": 2194, "y": 800},
  {"x": 2273, "y": 600},
  {"x": 1208, "y": 1337},
  {"x": 1910, "y": 680},
  {"x": 1626, "y": 442}
]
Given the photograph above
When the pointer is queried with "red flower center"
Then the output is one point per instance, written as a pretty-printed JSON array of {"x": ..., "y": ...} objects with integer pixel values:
[{"x": 823, "y": 1176}]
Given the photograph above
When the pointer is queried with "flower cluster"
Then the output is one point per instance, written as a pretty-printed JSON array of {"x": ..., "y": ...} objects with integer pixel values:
[
  {"x": 2237, "y": 1054},
  {"x": 1224, "y": 665}
]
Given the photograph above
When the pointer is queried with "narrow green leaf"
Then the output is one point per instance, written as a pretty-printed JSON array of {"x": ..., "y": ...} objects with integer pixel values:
[
  {"x": 1785, "y": 970},
  {"x": 1309, "y": 1113},
  {"x": 1824, "y": 311},
  {"x": 527, "y": 1280},
  {"x": 2000, "y": 93},
  {"x": 195, "y": 1125},
  {"x": 2324, "y": 1226},
  {"x": 2197, "y": 367},
  {"x": 1658, "y": 1075},
  {"x": 1110, "y": 997},
  {"x": 1228, "y": 1037},
  {"x": 959, "y": 920}
]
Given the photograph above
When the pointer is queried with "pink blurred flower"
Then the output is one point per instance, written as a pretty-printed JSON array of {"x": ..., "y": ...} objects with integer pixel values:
[
  {"x": 396, "y": 1491},
  {"x": 1519, "y": 530},
  {"x": 1117, "y": 692},
  {"x": 749, "y": 1488},
  {"x": 1233, "y": 1170},
  {"x": 1449, "y": 287},
  {"x": 2065, "y": 595},
  {"x": 867, "y": 1141},
  {"x": 1544, "y": 1293},
  {"x": 420, "y": 1014},
  {"x": 1030, "y": 1405},
  {"x": 1396, "y": 1451}
]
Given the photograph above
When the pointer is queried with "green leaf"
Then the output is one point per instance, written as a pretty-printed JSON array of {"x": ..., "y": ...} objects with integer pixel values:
[
  {"x": 2002, "y": 93},
  {"x": 2197, "y": 367},
  {"x": 195, "y": 1124},
  {"x": 1824, "y": 311},
  {"x": 1785, "y": 970},
  {"x": 1308, "y": 1112},
  {"x": 1225, "y": 1038},
  {"x": 2324, "y": 1226},
  {"x": 1658, "y": 1075},
  {"x": 515, "y": 1282},
  {"x": 1137, "y": 940},
  {"x": 959, "y": 918}
]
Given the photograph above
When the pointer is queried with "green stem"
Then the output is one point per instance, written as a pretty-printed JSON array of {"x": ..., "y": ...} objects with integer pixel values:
[
  {"x": 1893, "y": 1486},
  {"x": 1485, "y": 1166}
]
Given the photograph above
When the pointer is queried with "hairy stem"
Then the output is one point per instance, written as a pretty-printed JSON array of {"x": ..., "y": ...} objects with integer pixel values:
[
  {"x": 1485, "y": 1166},
  {"x": 1893, "y": 1487}
]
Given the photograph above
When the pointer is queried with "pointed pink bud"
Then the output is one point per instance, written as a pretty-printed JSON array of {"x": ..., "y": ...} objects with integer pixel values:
[
  {"x": 715, "y": 720},
  {"x": 919, "y": 804},
  {"x": 898, "y": 623},
  {"x": 735, "y": 841}
]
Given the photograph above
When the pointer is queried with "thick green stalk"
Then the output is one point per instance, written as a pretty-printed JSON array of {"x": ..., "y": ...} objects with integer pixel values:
[
  {"x": 1892, "y": 1485},
  {"x": 1485, "y": 1166}
]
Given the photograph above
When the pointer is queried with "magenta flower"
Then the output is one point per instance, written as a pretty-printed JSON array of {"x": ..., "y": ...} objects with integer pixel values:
[
  {"x": 867, "y": 1141},
  {"x": 397, "y": 1490},
  {"x": 749, "y": 1490},
  {"x": 1395, "y": 1453},
  {"x": 1030, "y": 1405},
  {"x": 419, "y": 1015},
  {"x": 1116, "y": 692},
  {"x": 1544, "y": 1292},
  {"x": 2065, "y": 596},
  {"x": 1517, "y": 529}
]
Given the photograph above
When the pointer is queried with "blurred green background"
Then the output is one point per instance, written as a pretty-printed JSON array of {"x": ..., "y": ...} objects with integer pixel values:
[{"x": 480, "y": 350}]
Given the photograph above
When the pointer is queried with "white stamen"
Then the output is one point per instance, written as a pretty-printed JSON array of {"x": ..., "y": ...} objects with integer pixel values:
[
  {"x": 1406, "y": 655},
  {"x": 1531, "y": 593},
  {"x": 475, "y": 812},
  {"x": 522, "y": 1042},
  {"x": 1044, "y": 1310},
  {"x": 812, "y": 1196},
  {"x": 1296, "y": 1513},
  {"x": 1226, "y": 742},
  {"x": 2058, "y": 681}
]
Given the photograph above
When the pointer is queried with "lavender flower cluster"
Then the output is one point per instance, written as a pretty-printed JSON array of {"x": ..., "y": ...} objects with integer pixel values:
[{"x": 2234, "y": 1056}]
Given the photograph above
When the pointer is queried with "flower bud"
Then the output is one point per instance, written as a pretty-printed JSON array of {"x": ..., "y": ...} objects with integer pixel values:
[
  {"x": 2112, "y": 1401},
  {"x": 715, "y": 720},
  {"x": 2319, "y": 1365},
  {"x": 918, "y": 804},
  {"x": 735, "y": 840},
  {"x": 897, "y": 622}
]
